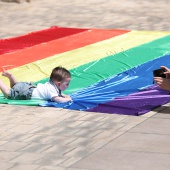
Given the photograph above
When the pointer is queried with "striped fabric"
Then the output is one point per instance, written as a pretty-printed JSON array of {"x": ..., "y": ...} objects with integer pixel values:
[{"x": 112, "y": 70}]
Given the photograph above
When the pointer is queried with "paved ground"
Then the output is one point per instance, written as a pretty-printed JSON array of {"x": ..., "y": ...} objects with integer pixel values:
[{"x": 35, "y": 138}]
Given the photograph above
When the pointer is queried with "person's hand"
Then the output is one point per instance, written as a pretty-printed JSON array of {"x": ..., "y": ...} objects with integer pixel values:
[
  {"x": 167, "y": 72},
  {"x": 163, "y": 83},
  {"x": 67, "y": 96}
]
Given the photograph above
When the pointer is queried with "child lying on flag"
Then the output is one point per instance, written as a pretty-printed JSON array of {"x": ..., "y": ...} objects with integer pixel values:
[
  {"x": 164, "y": 83},
  {"x": 59, "y": 81}
]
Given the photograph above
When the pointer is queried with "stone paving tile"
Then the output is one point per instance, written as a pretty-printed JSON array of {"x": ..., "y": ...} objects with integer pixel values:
[
  {"x": 14, "y": 120},
  {"x": 76, "y": 169},
  {"x": 4, "y": 134},
  {"x": 2, "y": 142},
  {"x": 80, "y": 151},
  {"x": 163, "y": 115},
  {"x": 132, "y": 121},
  {"x": 153, "y": 125},
  {"x": 6, "y": 165},
  {"x": 24, "y": 167},
  {"x": 17, "y": 137},
  {"x": 27, "y": 158},
  {"x": 70, "y": 161},
  {"x": 141, "y": 142},
  {"x": 7, "y": 155},
  {"x": 65, "y": 131},
  {"x": 35, "y": 148},
  {"x": 12, "y": 146},
  {"x": 109, "y": 159},
  {"x": 38, "y": 138},
  {"x": 59, "y": 149},
  {"x": 51, "y": 160},
  {"x": 5, "y": 126},
  {"x": 22, "y": 128},
  {"x": 62, "y": 139},
  {"x": 51, "y": 168}
]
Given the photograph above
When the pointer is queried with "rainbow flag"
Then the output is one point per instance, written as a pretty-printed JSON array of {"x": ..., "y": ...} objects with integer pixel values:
[{"x": 112, "y": 70}]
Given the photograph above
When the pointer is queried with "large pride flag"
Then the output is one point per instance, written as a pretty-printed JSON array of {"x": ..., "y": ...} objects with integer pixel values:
[{"x": 112, "y": 70}]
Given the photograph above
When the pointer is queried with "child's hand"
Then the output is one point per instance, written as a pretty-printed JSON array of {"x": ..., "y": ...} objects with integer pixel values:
[{"x": 68, "y": 97}]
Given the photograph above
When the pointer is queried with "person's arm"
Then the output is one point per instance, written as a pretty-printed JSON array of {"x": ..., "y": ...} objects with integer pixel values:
[{"x": 63, "y": 99}]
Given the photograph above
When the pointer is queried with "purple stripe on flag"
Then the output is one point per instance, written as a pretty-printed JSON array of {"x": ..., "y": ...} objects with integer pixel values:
[{"x": 135, "y": 104}]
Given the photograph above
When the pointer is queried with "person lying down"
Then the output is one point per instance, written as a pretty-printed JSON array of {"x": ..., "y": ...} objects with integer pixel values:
[{"x": 52, "y": 90}]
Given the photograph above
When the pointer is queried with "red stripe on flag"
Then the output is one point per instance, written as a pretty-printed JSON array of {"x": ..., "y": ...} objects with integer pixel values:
[{"x": 37, "y": 37}]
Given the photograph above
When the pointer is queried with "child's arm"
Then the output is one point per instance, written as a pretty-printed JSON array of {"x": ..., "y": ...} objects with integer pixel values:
[
  {"x": 66, "y": 96},
  {"x": 63, "y": 99}
]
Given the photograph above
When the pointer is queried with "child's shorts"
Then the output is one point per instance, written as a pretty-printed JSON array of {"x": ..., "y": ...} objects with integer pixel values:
[{"x": 22, "y": 91}]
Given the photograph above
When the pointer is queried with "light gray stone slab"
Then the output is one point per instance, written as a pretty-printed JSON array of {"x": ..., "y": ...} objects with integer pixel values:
[
  {"x": 111, "y": 159},
  {"x": 141, "y": 142},
  {"x": 153, "y": 125}
]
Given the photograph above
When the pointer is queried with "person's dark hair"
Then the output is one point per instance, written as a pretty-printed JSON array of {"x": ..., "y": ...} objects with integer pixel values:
[{"x": 59, "y": 74}]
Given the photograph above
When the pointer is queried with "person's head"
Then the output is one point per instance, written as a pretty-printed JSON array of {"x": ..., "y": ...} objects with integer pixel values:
[{"x": 61, "y": 77}]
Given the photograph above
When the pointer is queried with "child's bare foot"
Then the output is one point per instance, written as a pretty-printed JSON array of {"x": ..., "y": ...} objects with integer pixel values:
[{"x": 6, "y": 74}]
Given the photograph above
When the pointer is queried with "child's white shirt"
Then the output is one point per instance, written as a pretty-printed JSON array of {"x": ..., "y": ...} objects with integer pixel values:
[{"x": 45, "y": 91}]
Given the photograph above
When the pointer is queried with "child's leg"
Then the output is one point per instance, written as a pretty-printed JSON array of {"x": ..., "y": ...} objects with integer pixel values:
[
  {"x": 11, "y": 78},
  {"x": 5, "y": 90}
]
